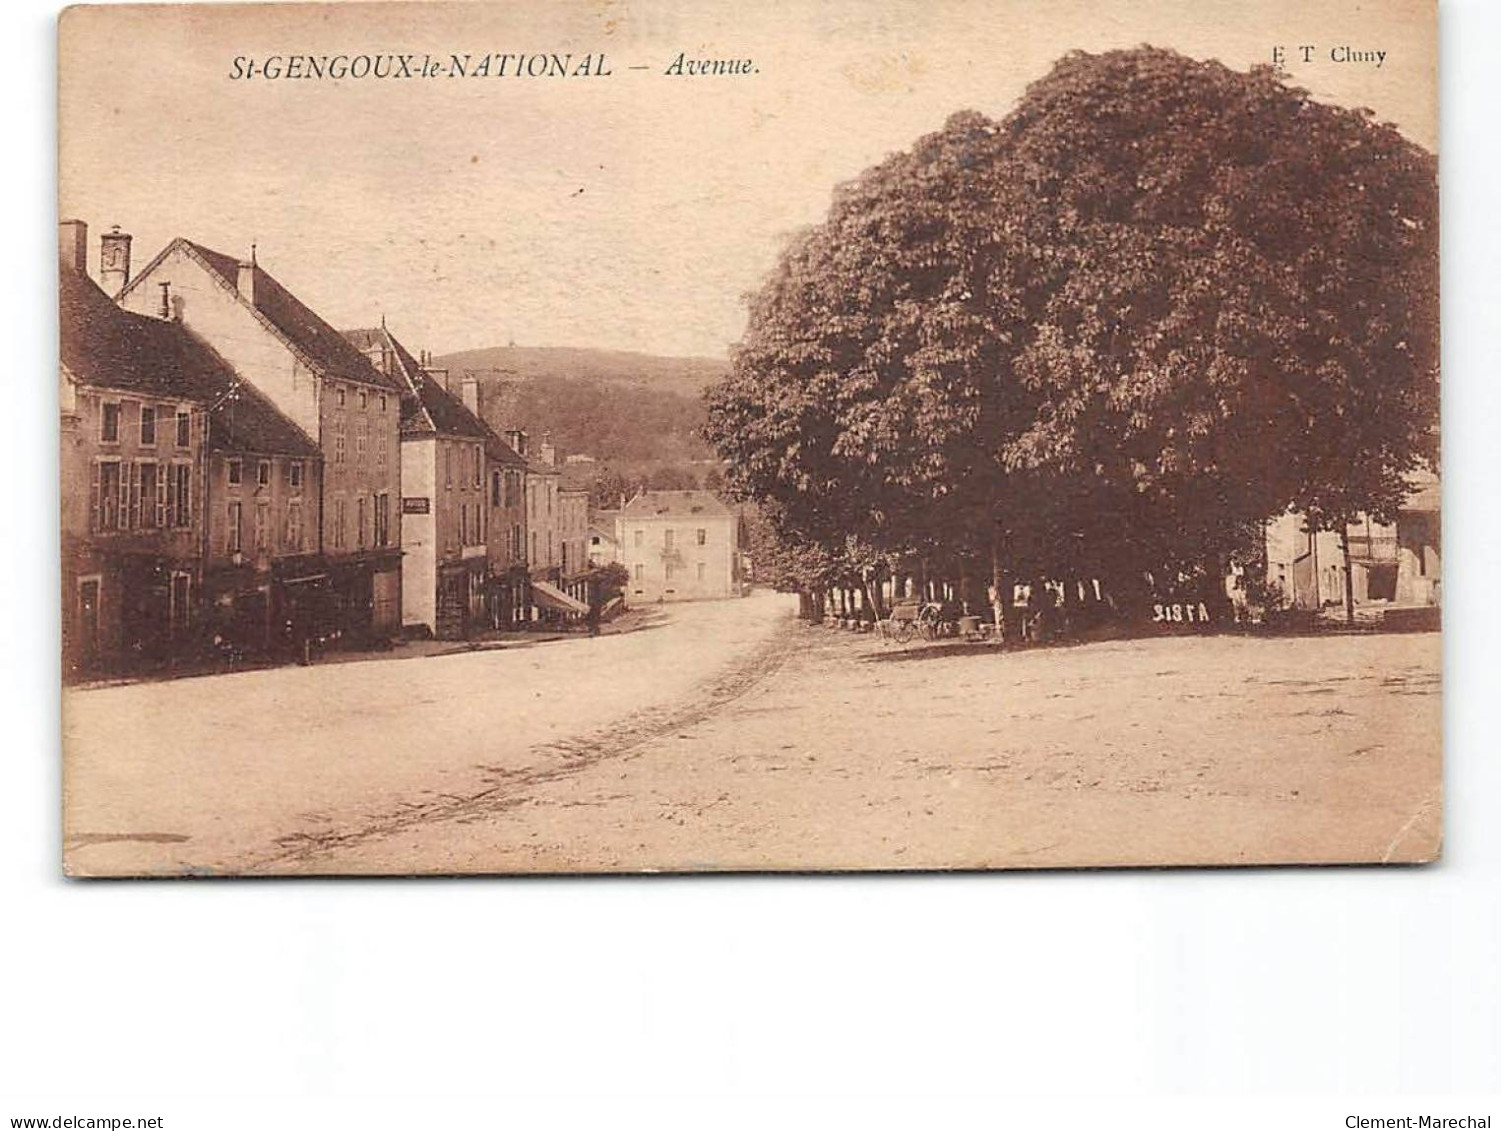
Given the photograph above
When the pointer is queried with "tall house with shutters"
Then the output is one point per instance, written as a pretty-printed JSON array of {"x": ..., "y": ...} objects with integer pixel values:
[
  {"x": 328, "y": 390},
  {"x": 455, "y": 474},
  {"x": 135, "y": 394},
  {"x": 679, "y": 546}
]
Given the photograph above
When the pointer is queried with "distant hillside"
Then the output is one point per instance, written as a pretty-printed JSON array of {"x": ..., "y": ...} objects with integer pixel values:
[
  {"x": 621, "y": 408},
  {"x": 687, "y": 376}
]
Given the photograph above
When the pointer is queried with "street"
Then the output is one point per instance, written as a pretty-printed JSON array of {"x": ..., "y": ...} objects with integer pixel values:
[{"x": 728, "y": 735}]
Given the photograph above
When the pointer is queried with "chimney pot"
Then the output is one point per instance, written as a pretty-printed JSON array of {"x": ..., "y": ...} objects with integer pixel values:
[
  {"x": 73, "y": 244},
  {"x": 114, "y": 260}
]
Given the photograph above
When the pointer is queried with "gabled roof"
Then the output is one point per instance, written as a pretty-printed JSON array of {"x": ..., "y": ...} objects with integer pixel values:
[
  {"x": 427, "y": 408},
  {"x": 676, "y": 504},
  {"x": 242, "y": 420},
  {"x": 104, "y": 346},
  {"x": 323, "y": 348},
  {"x": 112, "y": 348}
]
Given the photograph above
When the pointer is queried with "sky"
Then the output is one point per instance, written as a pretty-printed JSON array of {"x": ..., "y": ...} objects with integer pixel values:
[{"x": 632, "y": 211}]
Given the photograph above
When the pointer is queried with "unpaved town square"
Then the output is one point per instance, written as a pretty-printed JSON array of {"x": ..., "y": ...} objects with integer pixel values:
[{"x": 733, "y": 736}]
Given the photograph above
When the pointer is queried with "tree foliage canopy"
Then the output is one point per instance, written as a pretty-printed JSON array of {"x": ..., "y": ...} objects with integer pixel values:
[{"x": 1159, "y": 301}]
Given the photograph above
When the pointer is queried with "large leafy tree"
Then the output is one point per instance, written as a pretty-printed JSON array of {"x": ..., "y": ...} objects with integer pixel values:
[{"x": 1158, "y": 302}]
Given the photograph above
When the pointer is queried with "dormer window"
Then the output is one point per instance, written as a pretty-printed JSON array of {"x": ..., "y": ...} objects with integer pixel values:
[{"x": 294, "y": 474}]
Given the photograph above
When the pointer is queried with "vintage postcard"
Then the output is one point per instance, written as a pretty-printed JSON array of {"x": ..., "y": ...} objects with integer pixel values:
[{"x": 650, "y": 436}]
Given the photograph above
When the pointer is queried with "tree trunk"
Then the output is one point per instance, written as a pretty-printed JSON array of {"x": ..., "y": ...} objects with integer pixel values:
[
  {"x": 997, "y": 600},
  {"x": 1344, "y": 546}
]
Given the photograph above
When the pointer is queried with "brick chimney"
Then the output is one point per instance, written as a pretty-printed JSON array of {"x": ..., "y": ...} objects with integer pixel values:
[
  {"x": 470, "y": 390},
  {"x": 245, "y": 279},
  {"x": 114, "y": 260},
  {"x": 73, "y": 245}
]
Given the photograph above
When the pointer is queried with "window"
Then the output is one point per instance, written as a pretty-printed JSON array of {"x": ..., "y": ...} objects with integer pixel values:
[
  {"x": 292, "y": 540},
  {"x": 383, "y": 519},
  {"x": 184, "y": 428},
  {"x": 339, "y": 395},
  {"x": 667, "y": 536},
  {"x": 640, "y": 537},
  {"x": 380, "y": 451},
  {"x": 495, "y": 493},
  {"x": 341, "y": 518},
  {"x": 132, "y": 515},
  {"x": 359, "y": 523},
  {"x": 703, "y": 536},
  {"x": 479, "y": 469},
  {"x": 294, "y": 474},
  {"x": 364, "y": 399},
  {"x": 700, "y": 571},
  {"x": 361, "y": 436},
  {"x": 263, "y": 473},
  {"x": 107, "y": 504},
  {"x": 109, "y": 422},
  {"x": 534, "y": 546},
  {"x": 383, "y": 402},
  {"x": 233, "y": 468},
  {"x": 339, "y": 439},
  {"x": 232, "y": 528},
  {"x": 667, "y": 571},
  {"x": 638, "y": 571},
  {"x": 180, "y": 494},
  {"x": 448, "y": 467},
  {"x": 262, "y": 526},
  {"x": 152, "y": 513},
  {"x": 148, "y": 426},
  {"x": 463, "y": 524}
]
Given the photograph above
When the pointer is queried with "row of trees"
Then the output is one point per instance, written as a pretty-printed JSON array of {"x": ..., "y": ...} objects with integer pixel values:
[{"x": 1103, "y": 338}]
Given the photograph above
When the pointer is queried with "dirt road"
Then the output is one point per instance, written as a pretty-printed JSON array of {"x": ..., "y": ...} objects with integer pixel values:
[{"x": 802, "y": 747}]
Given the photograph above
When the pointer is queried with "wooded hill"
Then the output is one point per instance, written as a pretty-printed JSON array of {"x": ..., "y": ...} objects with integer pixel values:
[{"x": 622, "y": 408}]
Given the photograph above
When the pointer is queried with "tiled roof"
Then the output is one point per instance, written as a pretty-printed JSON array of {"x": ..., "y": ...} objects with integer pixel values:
[
  {"x": 676, "y": 504},
  {"x": 105, "y": 346},
  {"x": 113, "y": 348},
  {"x": 245, "y": 421},
  {"x": 427, "y": 407},
  {"x": 325, "y": 347}
]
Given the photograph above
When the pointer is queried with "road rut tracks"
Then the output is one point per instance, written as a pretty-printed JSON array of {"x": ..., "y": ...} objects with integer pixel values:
[{"x": 508, "y": 787}]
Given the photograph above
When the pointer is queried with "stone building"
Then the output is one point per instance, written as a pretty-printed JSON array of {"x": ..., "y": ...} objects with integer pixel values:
[
  {"x": 679, "y": 546},
  {"x": 327, "y": 389},
  {"x": 134, "y": 395},
  {"x": 1394, "y": 565}
]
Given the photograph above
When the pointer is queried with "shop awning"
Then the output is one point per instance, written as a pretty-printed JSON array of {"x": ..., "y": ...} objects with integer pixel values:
[{"x": 552, "y": 597}]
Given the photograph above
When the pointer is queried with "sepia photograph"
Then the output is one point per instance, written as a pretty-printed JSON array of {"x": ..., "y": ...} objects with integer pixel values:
[{"x": 595, "y": 438}]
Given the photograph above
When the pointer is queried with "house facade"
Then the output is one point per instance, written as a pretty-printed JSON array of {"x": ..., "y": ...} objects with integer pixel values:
[
  {"x": 679, "y": 546},
  {"x": 602, "y": 548},
  {"x": 324, "y": 386},
  {"x": 1392, "y": 564},
  {"x": 573, "y": 541},
  {"x": 262, "y": 570},
  {"x": 444, "y": 475},
  {"x": 134, "y": 395}
]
